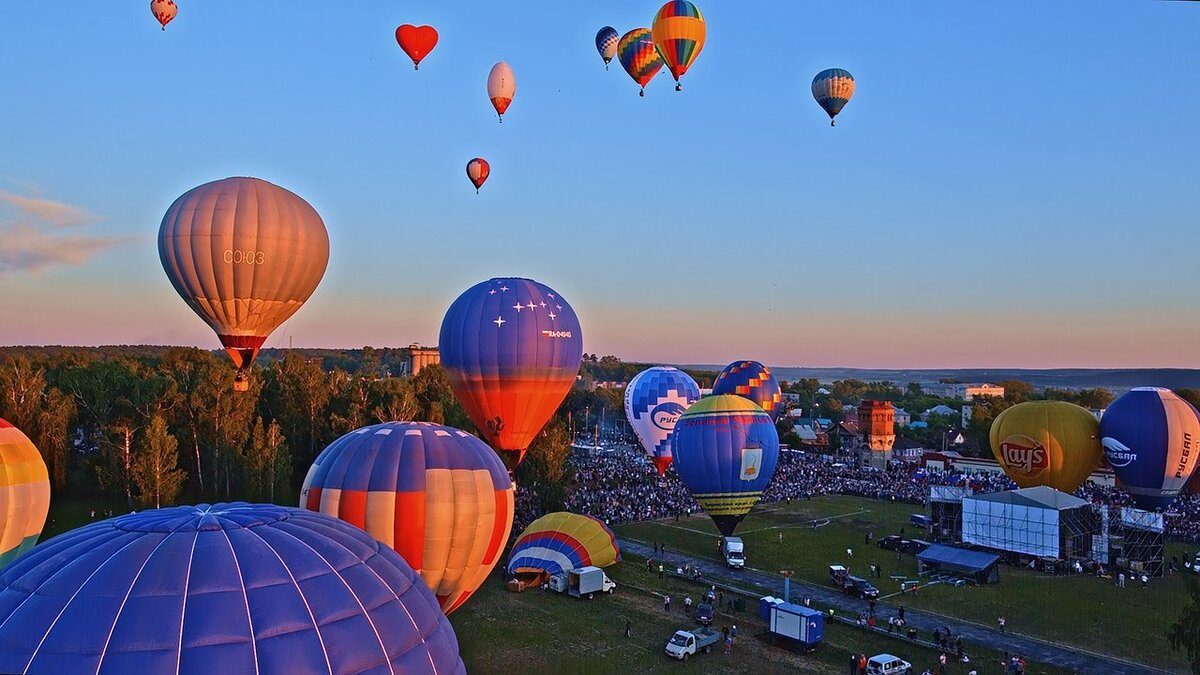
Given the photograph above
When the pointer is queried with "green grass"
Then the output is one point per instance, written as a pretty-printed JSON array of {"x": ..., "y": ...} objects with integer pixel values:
[{"x": 1079, "y": 611}]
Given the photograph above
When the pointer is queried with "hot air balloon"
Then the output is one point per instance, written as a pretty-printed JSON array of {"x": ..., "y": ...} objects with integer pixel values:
[
  {"x": 244, "y": 255},
  {"x": 511, "y": 350},
  {"x": 501, "y": 86},
  {"x": 416, "y": 41},
  {"x": 725, "y": 452},
  {"x": 654, "y": 400},
  {"x": 679, "y": 32},
  {"x": 606, "y": 43},
  {"x": 1051, "y": 443},
  {"x": 833, "y": 88},
  {"x": 478, "y": 171},
  {"x": 24, "y": 493},
  {"x": 1150, "y": 438},
  {"x": 638, "y": 57},
  {"x": 437, "y": 495},
  {"x": 222, "y": 588},
  {"x": 164, "y": 11},
  {"x": 754, "y": 381},
  {"x": 561, "y": 542}
]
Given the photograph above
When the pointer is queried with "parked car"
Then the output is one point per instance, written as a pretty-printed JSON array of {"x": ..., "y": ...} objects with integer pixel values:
[
  {"x": 890, "y": 542},
  {"x": 914, "y": 546},
  {"x": 859, "y": 587},
  {"x": 704, "y": 614},
  {"x": 886, "y": 664}
]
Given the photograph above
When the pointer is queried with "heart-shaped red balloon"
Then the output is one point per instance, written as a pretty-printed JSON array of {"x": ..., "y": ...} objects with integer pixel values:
[{"x": 416, "y": 41}]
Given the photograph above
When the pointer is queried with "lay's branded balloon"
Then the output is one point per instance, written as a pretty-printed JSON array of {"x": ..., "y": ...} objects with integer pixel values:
[
  {"x": 638, "y": 57},
  {"x": 606, "y": 43},
  {"x": 437, "y": 495},
  {"x": 1151, "y": 438},
  {"x": 654, "y": 401},
  {"x": 561, "y": 542},
  {"x": 244, "y": 255},
  {"x": 679, "y": 32},
  {"x": 753, "y": 381},
  {"x": 163, "y": 11},
  {"x": 24, "y": 493},
  {"x": 501, "y": 87},
  {"x": 1051, "y": 443},
  {"x": 511, "y": 349},
  {"x": 833, "y": 88},
  {"x": 725, "y": 452}
]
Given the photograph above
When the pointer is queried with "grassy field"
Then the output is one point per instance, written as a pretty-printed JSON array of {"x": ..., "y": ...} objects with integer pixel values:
[{"x": 1078, "y": 610}]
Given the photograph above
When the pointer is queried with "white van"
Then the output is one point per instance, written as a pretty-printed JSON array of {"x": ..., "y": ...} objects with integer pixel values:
[{"x": 886, "y": 664}]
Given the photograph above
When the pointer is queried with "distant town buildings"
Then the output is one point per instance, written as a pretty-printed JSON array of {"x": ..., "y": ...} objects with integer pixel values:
[
  {"x": 419, "y": 357},
  {"x": 791, "y": 398},
  {"x": 965, "y": 392},
  {"x": 943, "y": 410},
  {"x": 877, "y": 420},
  {"x": 903, "y": 419}
]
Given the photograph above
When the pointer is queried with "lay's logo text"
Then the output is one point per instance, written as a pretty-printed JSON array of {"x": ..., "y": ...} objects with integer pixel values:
[{"x": 1024, "y": 454}]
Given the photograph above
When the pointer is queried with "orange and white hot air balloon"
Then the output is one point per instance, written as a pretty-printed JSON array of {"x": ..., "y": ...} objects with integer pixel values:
[
  {"x": 244, "y": 255},
  {"x": 164, "y": 11},
  {"x": 501, "y": 86},
  {"x": 478, "y": 171},
  {"x": 24, "y": 493}
]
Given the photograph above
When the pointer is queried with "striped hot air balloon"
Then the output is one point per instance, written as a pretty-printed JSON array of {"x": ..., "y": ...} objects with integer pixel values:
[
  {"x": 478, "y": 171},
  {"x": 833, "y": 88},
  {"x": 606, "y": 43},
  {"x": 654, "y": 401},
  {"x": 725, "y": 452},
  {"x": 679, "y": 31},
  {"x": 1151, "y": 438},
  {"x": 437, "y": 495},
  {"x": 24, "y": 493},
  {"x": 561, "y": 542},
  {"x": 753, "y": 381},
  {"x": 638, "y": 57}
]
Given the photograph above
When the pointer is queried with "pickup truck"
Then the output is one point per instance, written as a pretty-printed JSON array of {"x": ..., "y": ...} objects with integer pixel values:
[
  {"x": 684, "y": 643},
  {"x": 852, "y": 585}
]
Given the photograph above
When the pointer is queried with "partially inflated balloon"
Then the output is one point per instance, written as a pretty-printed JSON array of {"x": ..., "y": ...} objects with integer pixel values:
[
  {"x": 1051, "y": 443},
  {"x": 416, "y": 41},
  {"x": 437, "y": 495},
  {"x": 501, "y": 86},
  {"x": 638, "y": 57},
  {"x": 244, "y": 255},
  {"x": 24, "y": 493},
  {"x": 679, "y": 33},
  {"x": 725, "y": 452},
  {"x": 833, "y": 88},
  {"x": 753, "y": 381},
  {"x": 511, "y": 350},
  {"x": 561, "y": 542},
  {"x": 606, "y": 43},
  {"x": 1151, "y": 438},
  {"x": 163, "y": 11},
  {"x": 478, "y": 171},
  {"x": 654, "y": 401}
]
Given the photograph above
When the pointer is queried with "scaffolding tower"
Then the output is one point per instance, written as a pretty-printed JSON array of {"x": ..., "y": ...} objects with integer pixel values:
[{"x": 1137, "y": 541}]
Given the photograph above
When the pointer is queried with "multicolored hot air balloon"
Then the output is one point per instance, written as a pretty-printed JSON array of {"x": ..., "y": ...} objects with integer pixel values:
[
  {"x": 501, "y": 87},
  {"x": 478, "y": 171},
  {"x": 833, "y": 88},
  {"x": 437, "y": 495},
  {"x": 163, "y": 11},
  {"x": 24, "y": 493},
  {"x": 511, "y": 350},
  {"x": 416, "y": 41},
  {"x": 754, "y": 381},
  {"x": 679, "y": 33},
  {"x": 725, "y": 452},
  {"x": 654, "y": 401},
  {"x": 606, "y": 43},
  {"x": 1151, "y": 438},
  {"x": 1051, "y": 443},
  {"x": 638, "y": 57},
  {"x": 222, "y": 588},
  {"x": 561, "y": 542},
  {"x": 244, "y": 255}
]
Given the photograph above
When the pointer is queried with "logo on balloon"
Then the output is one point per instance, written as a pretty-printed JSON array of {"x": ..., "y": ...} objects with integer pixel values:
[
  {"x": 666, "y": 414},
  {"x": 751, "y": 463},
  {"x": 1117, "y": 453},
  {"x": 1024, "y": 454}
]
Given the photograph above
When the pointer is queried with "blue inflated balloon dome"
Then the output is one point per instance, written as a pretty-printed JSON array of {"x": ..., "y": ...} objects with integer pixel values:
[{"x": 226, "y": 588}]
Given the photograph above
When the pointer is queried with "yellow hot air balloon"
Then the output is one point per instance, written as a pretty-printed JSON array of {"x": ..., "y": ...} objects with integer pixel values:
[
  {"x": 245, "y": 255},
  {"x": 679, "y": 32},
  {"x": 1051, "y": 443},
  {"x": 24, "y": 493}
]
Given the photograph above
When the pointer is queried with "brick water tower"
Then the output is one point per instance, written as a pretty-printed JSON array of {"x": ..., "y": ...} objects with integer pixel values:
[{"x": 877, "y": 421}]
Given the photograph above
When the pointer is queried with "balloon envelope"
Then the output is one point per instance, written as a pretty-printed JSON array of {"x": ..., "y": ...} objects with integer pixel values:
[
  {"x": 638, "y": 56},
  {"x": 163, "y": 11},
  {"x": 478, "y": 171},
  {"x": 511, "y": 350},
  {"x": 244, "y": 255},
  {"x": 563, "y": 541},
  {"x": 416, "y": 41},
  {"x": 606, "y": 43},
  {"x": 437, "y": 495},
  {"x": 1051, "y": 443},
  {"x": 1150, "y": 438},
  {"x": 833, "y": 88},
  {"x": 679, "y": 32},
  {"x": 753, "y": 381},
  {"x": 654, "y": 401},
  {"x": 501, "y": 86},
  {"x": 223, "y": 588},
  {"x": 24, "y": 493},
  {"x": 725, "y": 452}
]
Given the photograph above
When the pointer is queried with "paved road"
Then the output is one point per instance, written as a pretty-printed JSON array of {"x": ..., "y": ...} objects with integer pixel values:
[{"x": 764, "y": 583}]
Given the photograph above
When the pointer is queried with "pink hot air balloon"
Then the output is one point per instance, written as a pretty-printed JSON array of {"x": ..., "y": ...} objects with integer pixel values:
[
  {"x": 501, "y": 87},
  {"x": 164, "y": 11},
  {"x": 478, "y": 171}
]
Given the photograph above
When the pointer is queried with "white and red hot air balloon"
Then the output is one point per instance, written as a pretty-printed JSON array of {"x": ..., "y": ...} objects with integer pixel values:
[{"x": 501, "y": 87}]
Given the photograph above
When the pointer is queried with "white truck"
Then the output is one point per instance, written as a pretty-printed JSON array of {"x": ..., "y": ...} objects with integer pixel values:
[
  {"x": 734, "y": 552},
  {"x": 583, "y": 581},
  {"x": 684, "y": 643}
]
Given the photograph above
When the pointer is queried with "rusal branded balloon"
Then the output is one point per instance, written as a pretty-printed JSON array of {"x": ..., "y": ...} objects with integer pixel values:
[
  {"x": 1150, "y": 438},
  {"x": 654, "y": 401}
]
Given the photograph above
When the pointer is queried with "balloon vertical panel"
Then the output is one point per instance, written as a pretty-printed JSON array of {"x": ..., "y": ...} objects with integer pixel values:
[{"x": 24, "y": 493}]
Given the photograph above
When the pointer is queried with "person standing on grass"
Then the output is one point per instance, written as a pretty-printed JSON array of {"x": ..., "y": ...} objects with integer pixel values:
[
  {"x": 1002, "y": 623},
  {"x": 667, "y": 603},
  {"x": 660, "y": 570},
  {"x": 628, "y": 627},
  {"x": 942, "y": 664},
  {"x": 649, "y": 564},
  {"x": 687, "y": 605},
  {"x": 902, "y": 612}
]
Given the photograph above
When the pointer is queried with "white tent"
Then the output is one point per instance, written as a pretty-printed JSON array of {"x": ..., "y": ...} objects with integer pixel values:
[{"x": 1037, "y": 521}]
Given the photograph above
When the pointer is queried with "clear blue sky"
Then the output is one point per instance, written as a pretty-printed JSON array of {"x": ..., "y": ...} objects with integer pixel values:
[{"x": 1014, "y": 184}]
